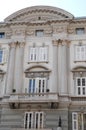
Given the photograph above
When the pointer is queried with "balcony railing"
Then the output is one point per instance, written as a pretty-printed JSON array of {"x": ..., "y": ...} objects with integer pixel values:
[{"x": 34, "y": 97}]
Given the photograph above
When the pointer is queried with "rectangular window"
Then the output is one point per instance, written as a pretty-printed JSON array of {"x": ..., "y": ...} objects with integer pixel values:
[
  {"x": 33, "y": 120},
  {"x": 78, "y": 121},
  {"x": 80, "y": 31},
  {"x": 28, "y": 120},
  {"x": 3, "y": 56},
  {"x": 2, "y": 34},
  {"x": 39, "y": 117},
  {"x": 80, "y": 53},
  {"x": 81, "y": 86},
  {"x": 37, "y": 85},
  {"x": 74, "y": 121},
  {"x": 39, "y": 33},
  {"x": 39, "y": 54}
]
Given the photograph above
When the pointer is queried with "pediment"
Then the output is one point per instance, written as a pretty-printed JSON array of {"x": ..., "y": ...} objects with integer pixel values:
[
  {"x": 39, "y": 14},
  {"x": 79, "y": 69},
  {"x": 35, "y": 69}
]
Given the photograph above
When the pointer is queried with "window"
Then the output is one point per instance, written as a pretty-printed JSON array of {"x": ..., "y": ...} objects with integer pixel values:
[
  {"x": 2, "y": 34},
  {"x": 80, "y": 53},
  {"x": 33, "y": 120},
  {"x": 39, "y": 33},
  {"x": 37, "y": 85},
  {"x": 80, "y": 31},
  {"x": 78, "y": 121},
  {"x": 81, "y": 86},
  {"x": 3, "y": 55},
  {"x": 38, "y": 54}
]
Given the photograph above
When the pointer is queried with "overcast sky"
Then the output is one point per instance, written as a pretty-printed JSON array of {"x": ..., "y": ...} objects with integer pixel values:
[{"x": 75, "y": 7}]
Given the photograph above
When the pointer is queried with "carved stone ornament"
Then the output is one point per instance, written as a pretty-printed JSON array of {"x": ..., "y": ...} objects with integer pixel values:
[
  {"x": 61, "y": 29},
  {"x": 71, "y": 30},
  {"x": 12, "y": 44},
  {"x": 30, "y": 32},
  {"x": 8, "y": 34}
]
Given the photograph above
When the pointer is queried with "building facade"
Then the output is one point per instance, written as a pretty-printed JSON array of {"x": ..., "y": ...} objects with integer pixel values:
[{"x": 43, "y": 70}]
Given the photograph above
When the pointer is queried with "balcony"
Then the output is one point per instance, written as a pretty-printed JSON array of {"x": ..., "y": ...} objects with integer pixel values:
[{"x": 33, "y": 97}]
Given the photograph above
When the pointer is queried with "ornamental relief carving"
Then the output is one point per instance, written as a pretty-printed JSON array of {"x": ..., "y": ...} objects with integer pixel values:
[
  {"x": 71, "y": 30},
  {"x": 8, "y": 34},
  {"x": 15, "y": 44},
  {"x": 63, "y": 42},
  {"x": 60, "y": 30},
  {"x": 30, "y": 32},
  {"x": 18, "y": 32}
]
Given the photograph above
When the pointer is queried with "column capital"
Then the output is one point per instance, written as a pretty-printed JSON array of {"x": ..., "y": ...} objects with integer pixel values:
[
  {"x": 12, "y": 44},
  {"x": 22, "y": 44},
  {"x": 62, "y": 42},
  {"x": 57, "y": 42},
  {"x": 66, "y": 42}
]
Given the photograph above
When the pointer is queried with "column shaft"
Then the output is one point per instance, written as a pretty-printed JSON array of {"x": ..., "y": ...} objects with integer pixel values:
[
  {"x": 18, "y": 78},
  {"x": 10, "y": 72},
  {"x": 55, "y": 67}
]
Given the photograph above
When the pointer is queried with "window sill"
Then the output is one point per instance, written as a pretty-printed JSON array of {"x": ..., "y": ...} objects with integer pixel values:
[
  {"x": 38, "y": 62},
  {"x": 79, "y": 61},
  {"x": 3, "y": 63}
]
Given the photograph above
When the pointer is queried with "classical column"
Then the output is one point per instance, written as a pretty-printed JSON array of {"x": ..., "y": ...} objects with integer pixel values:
[
  {"x": 11, "y": 65},
  {"x": 18, "y": 77},
  {"x": 64, "y": 68},
  {"x": 55, "y": 66},
  {"x": 59, "y": 65}
]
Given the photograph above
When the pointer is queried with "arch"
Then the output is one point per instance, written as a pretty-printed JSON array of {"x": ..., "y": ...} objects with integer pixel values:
[{"x": 31, "y": 13}]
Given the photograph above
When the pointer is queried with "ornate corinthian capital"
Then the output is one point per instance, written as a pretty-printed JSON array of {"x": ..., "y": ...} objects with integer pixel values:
[
  {"x": 12, "y": 44},
  {"x": 62, "y": 42},
  {"x": 22, "y": 44}
]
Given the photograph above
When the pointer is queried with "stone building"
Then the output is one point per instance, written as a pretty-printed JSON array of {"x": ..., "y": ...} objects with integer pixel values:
[{"x": 43, "y": 70}]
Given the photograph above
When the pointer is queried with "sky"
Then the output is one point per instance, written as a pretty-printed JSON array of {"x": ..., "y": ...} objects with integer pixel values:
[{"x": 75, "y": 7}]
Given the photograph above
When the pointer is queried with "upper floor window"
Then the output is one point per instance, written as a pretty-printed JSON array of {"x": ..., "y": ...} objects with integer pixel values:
[
  {"x": 39, "y": 33},
  {"x": 37, "y": 85},
  {"x": 34, "y": 120},
  {"x": 80, "y": 30},
  {"x": 80, "y": 53},
  {"x": 2, "y": 34},
  {"x": 81, "y": 85},
  {"x": 3, "y": 55},
  {"x": 38, "y": 54}
]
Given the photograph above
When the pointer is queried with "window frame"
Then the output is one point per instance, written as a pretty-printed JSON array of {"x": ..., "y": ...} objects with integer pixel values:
[
  {"x": 4, "y": 55},
  {"x": 40, "y": 122},
  {"x": 79, "y": 88},
  {"x": 79, "y": 121},
  {"x": 2, "y": 35},
  {"x": 80, "y": 31},
  {"x": 36, "y": 88},
  {"x": 39, "y": 33},
  {"x": 38, "y": 54},
  {"x": 79, "y": 55}
]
